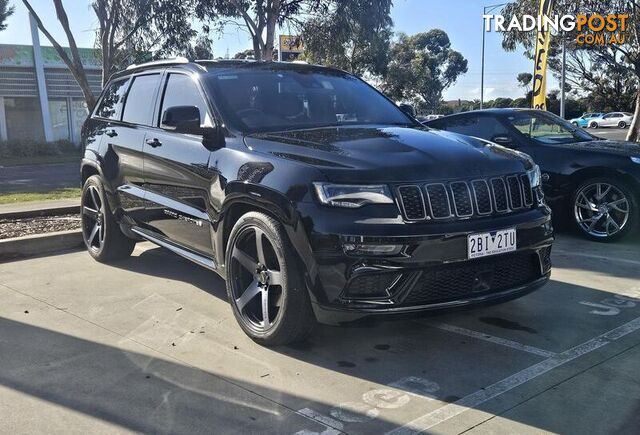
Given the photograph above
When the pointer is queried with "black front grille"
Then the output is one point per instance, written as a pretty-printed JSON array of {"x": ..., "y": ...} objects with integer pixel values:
[
  {"x": 515, "y": 192},
  {"x": 482, "y": 196},
  {"x": 412, "y": 202},
  {"x": 499, "y": 189},
  {"x": 473, "y": 278},
  {"x": 464, "y": 199},
  {"x": 438, "y": 201}
]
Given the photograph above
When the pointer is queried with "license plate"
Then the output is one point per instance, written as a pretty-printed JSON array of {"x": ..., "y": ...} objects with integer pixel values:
[{"x": 495, "y": 242}]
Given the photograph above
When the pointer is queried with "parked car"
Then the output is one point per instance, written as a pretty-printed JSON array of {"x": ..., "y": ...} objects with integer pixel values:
[
  {"x": 596, "y": 182},
  {"x": 583, "y": 121},
  {"x": 613, "y": 119},
  {"x": 309, "y": 192}
]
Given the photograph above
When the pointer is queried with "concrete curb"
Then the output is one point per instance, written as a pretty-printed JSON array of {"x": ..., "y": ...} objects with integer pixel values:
[
  {"x": 39, "y": 244},
  {"x": 53, "y": 211}
]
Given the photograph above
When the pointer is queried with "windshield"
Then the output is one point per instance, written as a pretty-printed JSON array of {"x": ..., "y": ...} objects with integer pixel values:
[
  {"x": 260, "y": 100},
  {"x": 547, "y": 128}
]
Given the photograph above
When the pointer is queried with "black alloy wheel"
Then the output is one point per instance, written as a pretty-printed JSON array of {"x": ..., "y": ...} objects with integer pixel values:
[{"x": 264, "y": 286}]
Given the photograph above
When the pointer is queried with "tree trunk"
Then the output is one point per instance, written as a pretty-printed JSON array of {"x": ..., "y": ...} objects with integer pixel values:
[
  {"x": 75, "y": 65},
  {"x": 634, "y": 130},
  {"x": 272, "y": 18}
]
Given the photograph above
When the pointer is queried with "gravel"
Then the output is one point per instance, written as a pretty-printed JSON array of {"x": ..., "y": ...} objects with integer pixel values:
[{"x": 38, "y": 225}]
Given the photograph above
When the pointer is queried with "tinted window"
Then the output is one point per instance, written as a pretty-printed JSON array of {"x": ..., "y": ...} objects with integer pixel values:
[
  {"x": 112, "y": 100},
  {"x": 256, "y": 100},
  {"x": 546, "y": 128},
  {"x": 484, "y": 127},
  {"x": 138, "y": 108},
  {"x": 181, "y": 90}
]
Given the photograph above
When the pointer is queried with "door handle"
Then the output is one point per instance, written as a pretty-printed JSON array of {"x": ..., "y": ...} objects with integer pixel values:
[
  {"x": 111, "y": 133},
  {"x": 154, "y": 142}
]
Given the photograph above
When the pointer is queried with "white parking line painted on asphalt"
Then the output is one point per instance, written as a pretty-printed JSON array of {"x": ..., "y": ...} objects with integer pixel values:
[
  {"x": 596, "y": 257},
  {"x": 474, "y": 400},
  {"x": 492, "y": 339},
  {"x": 334, "y": 427}
]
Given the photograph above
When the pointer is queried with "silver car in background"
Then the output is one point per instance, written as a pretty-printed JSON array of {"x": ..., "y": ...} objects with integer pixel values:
[{"x": 612, "y": 119}]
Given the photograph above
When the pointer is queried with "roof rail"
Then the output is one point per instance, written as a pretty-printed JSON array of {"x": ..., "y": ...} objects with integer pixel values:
[{"x": 173, "y": 61}]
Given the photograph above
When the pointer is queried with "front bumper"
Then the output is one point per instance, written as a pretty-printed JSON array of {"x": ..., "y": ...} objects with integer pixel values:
[{"x": 430, "y": 272}]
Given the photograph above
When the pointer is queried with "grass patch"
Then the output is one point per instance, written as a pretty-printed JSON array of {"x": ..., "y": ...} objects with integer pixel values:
[{"x": 14, "y": 198}]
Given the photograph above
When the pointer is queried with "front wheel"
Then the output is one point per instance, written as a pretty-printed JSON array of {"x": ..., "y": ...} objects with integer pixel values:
[
  {"x": 264, "y": 283},
  {"x": 575, "y": 124},
  {"x": 593, "y": 125},
  {"x": 605, "y": 209},
  {"x": 101, "y": 233}
]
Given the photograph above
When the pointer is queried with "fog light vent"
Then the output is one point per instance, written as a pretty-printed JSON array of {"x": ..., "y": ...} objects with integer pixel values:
[{"x": 375, "y": 285}]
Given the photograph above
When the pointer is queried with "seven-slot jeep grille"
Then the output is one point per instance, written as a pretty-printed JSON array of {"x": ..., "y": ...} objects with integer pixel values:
[{"x": 464, "y": 199}]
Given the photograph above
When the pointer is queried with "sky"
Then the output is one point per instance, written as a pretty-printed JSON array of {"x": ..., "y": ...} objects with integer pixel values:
[{"x": 461, "y": 19}]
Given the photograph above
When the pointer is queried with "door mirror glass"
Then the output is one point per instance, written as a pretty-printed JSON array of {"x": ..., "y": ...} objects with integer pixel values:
[{"x": 182, "y": 119}]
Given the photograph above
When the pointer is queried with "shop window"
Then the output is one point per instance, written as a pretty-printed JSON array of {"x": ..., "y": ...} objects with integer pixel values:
[{"x": 24, "y": 119}]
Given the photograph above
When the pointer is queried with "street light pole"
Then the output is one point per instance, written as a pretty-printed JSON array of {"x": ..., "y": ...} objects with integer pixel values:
[{"x": 486, "y": 10}]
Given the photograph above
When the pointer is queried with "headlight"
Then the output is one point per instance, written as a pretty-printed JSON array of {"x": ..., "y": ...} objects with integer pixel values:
[
  {"x": 535, "y": 177},
  {"x": 352, "y": 196},
  {"x": 635, "y": 159}
]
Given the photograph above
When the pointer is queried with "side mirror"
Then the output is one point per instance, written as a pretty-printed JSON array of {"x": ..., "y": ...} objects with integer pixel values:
[
  {"x": 182, "y": 119},
  {"x": 505, "y": 141},
  {"x": 408, "y": 109}
]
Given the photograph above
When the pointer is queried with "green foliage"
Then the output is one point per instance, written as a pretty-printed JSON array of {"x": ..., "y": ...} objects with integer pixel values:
[
  {"x": 353, "y": 35},
  {"x": 5, "y": 12},
  {"x": 202, "y": 47},
  {"x": 422, "y": 67},
  {"x": 32, "y": 148}
]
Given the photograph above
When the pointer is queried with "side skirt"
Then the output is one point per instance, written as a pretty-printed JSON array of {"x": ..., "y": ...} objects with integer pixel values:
[{"x": 201, "y": 260}]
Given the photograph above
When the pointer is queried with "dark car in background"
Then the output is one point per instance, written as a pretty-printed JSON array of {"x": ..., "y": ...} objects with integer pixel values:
[
  {"x": 595, "y": 182},
  {"x": 309, "y": 192}
]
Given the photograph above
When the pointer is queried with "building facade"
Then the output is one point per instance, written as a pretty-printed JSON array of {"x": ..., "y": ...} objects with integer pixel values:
[{"x": 39, "y": 98}]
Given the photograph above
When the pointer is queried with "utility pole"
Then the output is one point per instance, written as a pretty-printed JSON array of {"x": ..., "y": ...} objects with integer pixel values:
[{"x": 486, "y": 10}]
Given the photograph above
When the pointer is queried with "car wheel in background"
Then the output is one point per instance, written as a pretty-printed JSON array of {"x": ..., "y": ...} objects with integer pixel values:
[
  {"x": 265, "y": 285},
  {"x": 575, "y": 124},
  {"x": 101, "y": 233},
  {"x": 605, "y": 209},
  {"x": 622, "y": 124},
  {"x": 593, "y": 125}
]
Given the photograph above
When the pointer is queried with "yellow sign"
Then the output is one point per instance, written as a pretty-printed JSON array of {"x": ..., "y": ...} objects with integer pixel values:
[
  {"x": 291, "y": 47},
  {"x": 543, "y": 39}
]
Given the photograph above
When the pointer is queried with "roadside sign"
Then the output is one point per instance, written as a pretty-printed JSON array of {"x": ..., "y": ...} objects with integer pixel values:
[{"x": 290, "y": 47}]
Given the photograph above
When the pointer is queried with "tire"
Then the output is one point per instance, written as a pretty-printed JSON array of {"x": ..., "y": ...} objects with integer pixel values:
[
  {"x": 593, "y": 125},
  {"x": 617, "y": 203},
  {"x": 288, "y": 308},
  {"x": 622, "y": 124},
  {"x": 101, "y": 233}
]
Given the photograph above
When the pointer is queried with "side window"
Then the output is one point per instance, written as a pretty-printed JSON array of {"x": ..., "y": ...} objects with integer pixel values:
[
  {"x": 138, "y": 107},
  {"x": 484, "y": 127},
  {"x": 181, "y": 90},
  {"x": 112, "y": 98}
]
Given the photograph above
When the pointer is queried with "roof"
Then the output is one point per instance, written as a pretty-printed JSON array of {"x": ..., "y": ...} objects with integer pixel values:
[{"x": 213, "y": 64}]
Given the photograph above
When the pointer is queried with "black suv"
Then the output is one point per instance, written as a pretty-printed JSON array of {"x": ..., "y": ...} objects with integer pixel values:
[{"x": 311, "y": 193}]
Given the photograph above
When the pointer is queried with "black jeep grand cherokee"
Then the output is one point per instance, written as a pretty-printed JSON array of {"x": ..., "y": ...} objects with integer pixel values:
[{"x": 311, "y": 193}]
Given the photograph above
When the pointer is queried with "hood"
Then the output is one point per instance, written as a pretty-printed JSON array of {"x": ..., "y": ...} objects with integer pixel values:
[
  {"x": 390, "y": 154},
  {"x": 621, "y": 148}
]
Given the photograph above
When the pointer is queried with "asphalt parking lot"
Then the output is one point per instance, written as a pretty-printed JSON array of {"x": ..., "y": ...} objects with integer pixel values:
[
  {"x": 150, "y": 345},
  {"x": 610, "y": 133}
]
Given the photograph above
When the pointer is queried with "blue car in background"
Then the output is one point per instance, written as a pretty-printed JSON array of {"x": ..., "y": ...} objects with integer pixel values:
[{"x": 583, "y": 121}]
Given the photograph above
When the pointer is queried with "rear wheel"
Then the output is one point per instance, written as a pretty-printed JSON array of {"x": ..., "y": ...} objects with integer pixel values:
[
  {"x": 101, "y": 233},
  {"x": 605, "y": 209},
  {"x": 264, "y": 283},
  {"x": 622, "y": 124}
]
